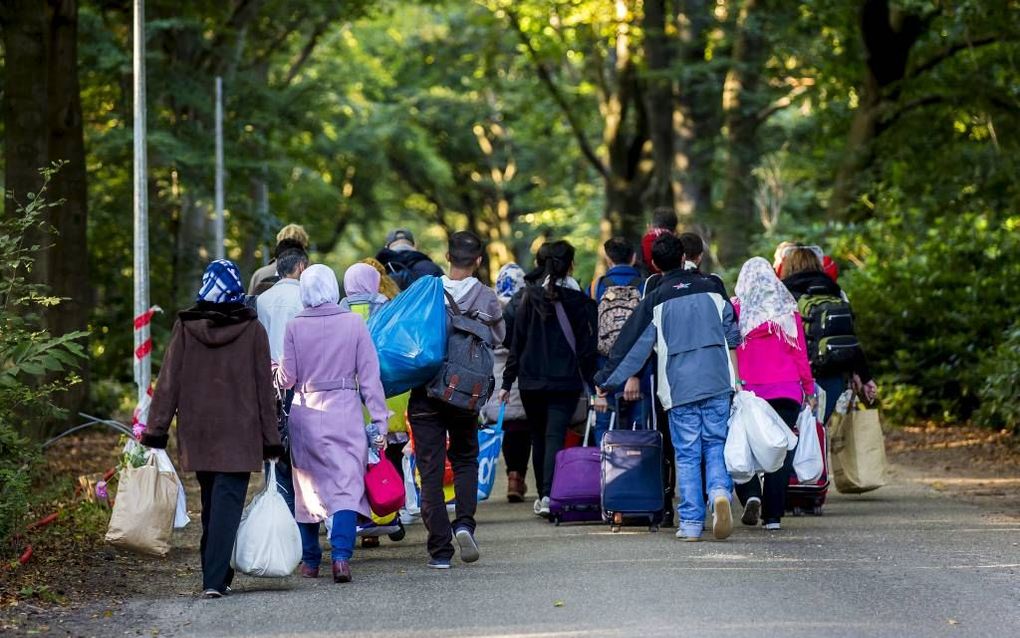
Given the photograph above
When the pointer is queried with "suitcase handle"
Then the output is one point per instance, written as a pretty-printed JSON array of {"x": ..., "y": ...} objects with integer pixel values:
[{"x": 619, "y": 400}]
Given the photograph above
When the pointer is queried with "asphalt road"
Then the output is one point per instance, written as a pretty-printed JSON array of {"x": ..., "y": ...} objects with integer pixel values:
[{"x": 903, "y": 561}]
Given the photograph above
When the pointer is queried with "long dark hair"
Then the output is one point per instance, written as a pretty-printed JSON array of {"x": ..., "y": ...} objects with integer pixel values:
[{"x": 554, "y": 260}]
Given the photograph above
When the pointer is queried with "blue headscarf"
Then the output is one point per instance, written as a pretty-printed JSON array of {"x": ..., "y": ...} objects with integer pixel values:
[
  {"x": 221, "y": 283},
  {"x": 509, "y": 280}
]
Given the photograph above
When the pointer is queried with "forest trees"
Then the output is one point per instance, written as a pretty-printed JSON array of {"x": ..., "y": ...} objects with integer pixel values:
[
  {"x": 42, "y": 123},
  {"x": 883, "y": 129}
]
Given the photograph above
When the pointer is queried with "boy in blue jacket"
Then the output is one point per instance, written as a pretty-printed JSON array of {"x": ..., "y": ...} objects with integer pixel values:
[{"x": 690, "y": 323}]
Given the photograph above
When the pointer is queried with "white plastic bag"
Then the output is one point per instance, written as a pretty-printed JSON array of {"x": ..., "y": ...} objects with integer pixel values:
[
  {"x": 769, "y": 438},
  {"x": 268, "y": 541},
  {"x": 739, "y": 460},
  {"x": 807, "y": 460},
  {"x": 181, "y": 518}
]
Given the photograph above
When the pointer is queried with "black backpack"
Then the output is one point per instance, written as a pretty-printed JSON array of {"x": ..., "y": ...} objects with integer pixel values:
[
  {"x": 401, "y": 275},
  {"x": 829, "y": 331},
  {"x": 465, "y": 379}
]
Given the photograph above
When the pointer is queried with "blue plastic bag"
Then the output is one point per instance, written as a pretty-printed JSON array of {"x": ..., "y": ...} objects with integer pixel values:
[
  {"x": 490, "y": 443},
  {"x": 410, "y": 336}
]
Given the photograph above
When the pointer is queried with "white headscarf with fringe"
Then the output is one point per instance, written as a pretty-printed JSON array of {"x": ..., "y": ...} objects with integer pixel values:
[
  {"x": 318, "y": 286},
  {"x": 765, "y": 300}
]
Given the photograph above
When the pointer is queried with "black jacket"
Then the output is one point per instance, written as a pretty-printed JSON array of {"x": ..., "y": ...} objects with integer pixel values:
[
  {"x": 540, "y": 357},
  {"x": 818, "y": 283},
  {"x": 407, "y": 266}
]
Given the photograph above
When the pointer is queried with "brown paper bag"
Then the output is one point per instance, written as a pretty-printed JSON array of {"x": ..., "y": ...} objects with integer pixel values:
[
  {"x": 857, "y": 446},
  {"x": 143, "y": 514}
]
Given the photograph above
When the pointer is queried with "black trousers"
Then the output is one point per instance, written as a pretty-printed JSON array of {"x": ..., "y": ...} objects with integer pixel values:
[
  {"x": 223, "y": 496},
  {"x": 431, "y": 421},
  {"x": 516, "y": 446},
  {"x": 549, "y": 413},
  {"x": 773, "y": 498}
]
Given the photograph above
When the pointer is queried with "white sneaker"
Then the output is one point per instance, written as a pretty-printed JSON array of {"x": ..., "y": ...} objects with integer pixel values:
[
  {"x": 542, "y": 507},
  {"x": 684, "y": 537},
  {"x": 773, "y": 527},
  {"x": 722, "y": 518}
]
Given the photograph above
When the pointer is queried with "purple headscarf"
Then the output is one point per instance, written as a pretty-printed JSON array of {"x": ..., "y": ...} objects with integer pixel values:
[{"x": 361, "y": 279}]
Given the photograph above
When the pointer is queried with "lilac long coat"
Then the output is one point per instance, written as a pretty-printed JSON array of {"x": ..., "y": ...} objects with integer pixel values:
[{"x": 327, "y": 355}]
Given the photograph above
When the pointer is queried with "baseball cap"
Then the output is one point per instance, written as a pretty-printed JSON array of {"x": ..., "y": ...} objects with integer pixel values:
[{"x": 398, "y": 234}]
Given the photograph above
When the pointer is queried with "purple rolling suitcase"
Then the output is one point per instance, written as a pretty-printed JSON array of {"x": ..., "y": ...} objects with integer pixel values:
[{"x": 576, "y": 493}]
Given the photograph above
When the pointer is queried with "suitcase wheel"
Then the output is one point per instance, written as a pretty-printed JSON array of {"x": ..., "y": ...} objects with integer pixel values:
[
  {"x": 614, "y": 528},
  {"x": 798, "y": 511},
  {"x": 653, "y": 528},
  {"x": 816, "y": 510},
  {"x": 555, "y": 521}
]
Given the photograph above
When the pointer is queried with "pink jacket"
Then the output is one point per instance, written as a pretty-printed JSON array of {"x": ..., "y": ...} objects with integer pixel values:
[{"x": 772, "y": 368}]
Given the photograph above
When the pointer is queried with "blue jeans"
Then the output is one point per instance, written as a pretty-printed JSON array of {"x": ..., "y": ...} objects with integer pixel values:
[
  {"x": 699, "y": 431},
  {"x": 341, "y": 538},
  {"x": 833, "y": 386}
]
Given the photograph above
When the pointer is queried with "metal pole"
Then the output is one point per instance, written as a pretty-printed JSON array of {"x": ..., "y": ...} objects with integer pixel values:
[
  {"x": 143, "y": 364},
  {"x": 219, "y": 168},
  {"x": 263, "y": 214}
]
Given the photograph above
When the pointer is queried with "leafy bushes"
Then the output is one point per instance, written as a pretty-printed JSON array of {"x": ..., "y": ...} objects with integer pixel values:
[
  {"x": 1000, "y": 370},
  {"x": 934, "y": 299},
  {"x": 33, "y": 364}
]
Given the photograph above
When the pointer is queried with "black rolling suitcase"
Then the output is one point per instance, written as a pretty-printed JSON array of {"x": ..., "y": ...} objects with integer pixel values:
[{"x": 632, "y": 477}]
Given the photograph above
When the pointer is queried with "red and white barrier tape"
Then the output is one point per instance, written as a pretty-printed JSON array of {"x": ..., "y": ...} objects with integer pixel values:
[{"x": 143, "y": 351}]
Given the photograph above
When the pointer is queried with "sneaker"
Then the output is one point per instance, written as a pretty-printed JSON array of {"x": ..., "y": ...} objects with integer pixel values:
[
  {"x": 211, "y": 594},
  {"x": 468, "y": 547},
  {"x": 542, "y": 507},
  {"x": 439, "y": 563},
  {"x": 773, "y": 526},
  {"x": 722, "y": 517},
  {"x": 374, "y": 530},
  {"x": 752, "y": 511},
  {"x": 684, "y": 537}
]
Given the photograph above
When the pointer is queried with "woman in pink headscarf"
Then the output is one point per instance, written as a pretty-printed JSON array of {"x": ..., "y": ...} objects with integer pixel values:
[{"x": 361, "y": 286}]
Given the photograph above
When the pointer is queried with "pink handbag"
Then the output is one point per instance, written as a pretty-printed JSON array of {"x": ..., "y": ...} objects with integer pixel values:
[{"x": 384, "y": 488}]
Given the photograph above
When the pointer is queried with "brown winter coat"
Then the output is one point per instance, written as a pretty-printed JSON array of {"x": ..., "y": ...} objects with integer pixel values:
[{"x": 216, "y": 378}]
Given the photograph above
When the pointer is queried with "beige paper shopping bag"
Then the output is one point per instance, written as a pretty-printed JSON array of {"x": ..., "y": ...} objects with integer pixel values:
[
  {"x": 857, "y": 445},
  {"x": 143, "y": 514}
]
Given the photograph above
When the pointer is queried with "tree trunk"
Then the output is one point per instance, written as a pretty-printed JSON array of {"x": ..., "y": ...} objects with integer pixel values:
[
  {"x": 625, "y": 135},
  {"x": 26, "y": 143},
  {"x": 740, "y": 120},
  {"x": 190, "y": 256},
  {"x": 659, "y": 104},
  {"x": 697, "y": 121},
  {"x": 67, "y": 272},
  {"x": 888, "y": 35}
]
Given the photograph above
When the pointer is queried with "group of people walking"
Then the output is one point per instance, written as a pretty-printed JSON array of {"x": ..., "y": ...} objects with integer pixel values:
[{"x": 289, "y": 372}]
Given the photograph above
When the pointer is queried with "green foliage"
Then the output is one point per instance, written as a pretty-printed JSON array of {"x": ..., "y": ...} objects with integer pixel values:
[
  {"x": 933, "y": 301},
  {"x": 27, "y": 355},
  {"x": 432, "y": 115},
  {"x": 1000, "y": 371}
]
